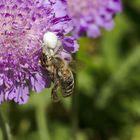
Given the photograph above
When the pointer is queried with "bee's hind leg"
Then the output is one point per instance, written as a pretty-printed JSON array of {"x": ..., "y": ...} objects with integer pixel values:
[{"x": 54, "y": 95}]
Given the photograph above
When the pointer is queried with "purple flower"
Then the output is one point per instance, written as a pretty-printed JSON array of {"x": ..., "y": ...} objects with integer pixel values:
[
  {"x": 22, "y": 26},
  {"x": 89, "y": 16}
]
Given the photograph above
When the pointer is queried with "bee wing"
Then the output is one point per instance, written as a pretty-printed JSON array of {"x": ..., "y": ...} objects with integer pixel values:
[{"x": 76, "y": 65}]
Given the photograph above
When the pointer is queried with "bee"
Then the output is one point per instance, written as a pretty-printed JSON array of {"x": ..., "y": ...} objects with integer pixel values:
[{"x": 58, "y": 70}]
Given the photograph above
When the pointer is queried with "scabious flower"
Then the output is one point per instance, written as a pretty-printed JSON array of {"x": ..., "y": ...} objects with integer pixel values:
[
  {"x": 22, "y": 26},
  {"x": 89, "y": 16}
]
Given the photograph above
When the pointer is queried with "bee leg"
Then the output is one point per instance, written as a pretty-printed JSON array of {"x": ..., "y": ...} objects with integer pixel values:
[{"x": 54, "y": 95}]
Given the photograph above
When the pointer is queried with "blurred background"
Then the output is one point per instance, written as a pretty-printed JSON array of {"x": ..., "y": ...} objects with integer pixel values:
[{"x": 106, "y": 101}]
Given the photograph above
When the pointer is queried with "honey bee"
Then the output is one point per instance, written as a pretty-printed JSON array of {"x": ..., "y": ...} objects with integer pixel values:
[{"x": 58, "y": 70}]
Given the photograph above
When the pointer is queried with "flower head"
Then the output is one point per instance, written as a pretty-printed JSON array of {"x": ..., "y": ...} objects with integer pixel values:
[
  {"x": 90, "y": 15},
  {"x": 22, "y": 26}
]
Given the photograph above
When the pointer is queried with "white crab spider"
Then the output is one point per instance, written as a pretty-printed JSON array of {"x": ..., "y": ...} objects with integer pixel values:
[{"x": 51, "y": 43}]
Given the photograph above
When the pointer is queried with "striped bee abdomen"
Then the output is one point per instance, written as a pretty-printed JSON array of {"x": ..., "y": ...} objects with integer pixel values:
[{"x": 67, "y": 86}]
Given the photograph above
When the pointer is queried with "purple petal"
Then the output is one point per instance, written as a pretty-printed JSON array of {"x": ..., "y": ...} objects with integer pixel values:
[
  {"x": 89, "y": 17},
  {"x": 38, "y": 83},
  {"x": 70, "y": 44},
  {"x": 19, "y": 94}
]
